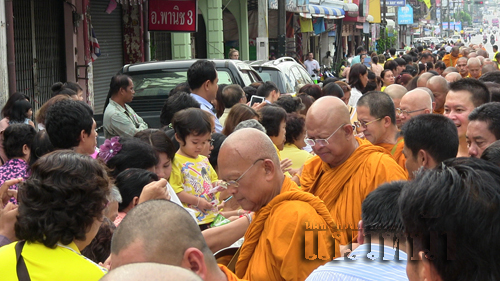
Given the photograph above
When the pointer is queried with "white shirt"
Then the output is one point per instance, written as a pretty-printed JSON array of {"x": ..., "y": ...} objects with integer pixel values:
[
  {"x": 311, "y": 65},
  {"x": 355, "y": 95}
]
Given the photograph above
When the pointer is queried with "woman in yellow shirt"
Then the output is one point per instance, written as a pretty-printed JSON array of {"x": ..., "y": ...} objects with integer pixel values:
[{"x": 295, "y": 134}]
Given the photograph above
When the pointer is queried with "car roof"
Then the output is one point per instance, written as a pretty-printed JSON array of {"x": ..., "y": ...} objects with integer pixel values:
[{"x": 182, "y": 64}]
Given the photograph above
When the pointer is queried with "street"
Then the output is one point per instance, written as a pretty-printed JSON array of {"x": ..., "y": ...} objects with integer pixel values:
[{"x": 479, "y": 39}]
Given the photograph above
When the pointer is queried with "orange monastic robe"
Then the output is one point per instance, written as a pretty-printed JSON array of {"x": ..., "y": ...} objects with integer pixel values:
[
  {"x": 343, "y": 188},
  {"x": 450, "y": 60},
  {"x": 276, "y": 243},
  {"x": 440, "y": 111},
  {"x": 396, "y": 150},
  {"x": 230, "y": 276}
]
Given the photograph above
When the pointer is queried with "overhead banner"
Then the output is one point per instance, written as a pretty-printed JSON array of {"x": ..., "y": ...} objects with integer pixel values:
[
  {"x": 395, "y": 3},
  {"x": 405, "y": 15},
  {"x": 173, "y": 15}
]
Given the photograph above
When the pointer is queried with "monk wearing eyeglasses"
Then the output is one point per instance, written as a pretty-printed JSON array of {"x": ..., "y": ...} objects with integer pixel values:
[
  {"x": 346, "y": 168},
  {"x": 415, "y": 102},
  {"x": 288, "y": 223},
  {"x": 377, "y": 121}
]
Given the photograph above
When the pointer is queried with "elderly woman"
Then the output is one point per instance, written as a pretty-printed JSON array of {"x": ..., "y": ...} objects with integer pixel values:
[{"x": 60, "y": 211}]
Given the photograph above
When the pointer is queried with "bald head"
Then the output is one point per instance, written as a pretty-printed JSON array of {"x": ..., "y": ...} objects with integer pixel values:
[
  {"x": 151, "y": 272},
  {"x": 439, "y": 87},
  {"x": 452, "y": 77},
  {"x": 395, "y": 91},
  {"x": 474, "y": 67},
  {"x": 329, "y": 108},
  {"x": 422, "y": 80},
  {"x": 473, "y": 62},
  {"x": 157, "y": 231},
  {"x": 448, "y": 70},
  {"x": 236, "y": 143},
  {"x": 417, "y": 102}
]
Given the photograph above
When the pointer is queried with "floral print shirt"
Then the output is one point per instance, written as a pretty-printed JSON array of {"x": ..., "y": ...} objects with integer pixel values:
[{"x": 14, "y": 168}]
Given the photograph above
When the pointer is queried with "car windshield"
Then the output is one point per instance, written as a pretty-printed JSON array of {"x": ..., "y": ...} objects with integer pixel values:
[
  {"x": 274, "y": 76},
  {"x": 160, "y": 83}
]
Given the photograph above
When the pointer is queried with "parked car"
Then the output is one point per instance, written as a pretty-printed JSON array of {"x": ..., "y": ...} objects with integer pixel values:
[
  {"x": 285, "y": 72},
  {"x": 154, "y": 80}
]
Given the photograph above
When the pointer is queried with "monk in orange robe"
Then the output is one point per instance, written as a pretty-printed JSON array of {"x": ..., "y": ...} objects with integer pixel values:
[
  {"x": 346, "y": 168},
  {"x": 377, "y": 121},
  {"x": 451, "y": 58},
  {"x": 439, "y": 87},
  {"x": 287, "y": 222},
  {"x": 163, "y": 232}
]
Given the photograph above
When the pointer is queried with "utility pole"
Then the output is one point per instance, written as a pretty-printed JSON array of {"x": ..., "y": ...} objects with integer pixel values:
[
  {"x": 262, "y": 33},
  {"x": 384, "y": 23},
  {"x": 4, "y": 76},
  {"x": 281, "y": 28}
]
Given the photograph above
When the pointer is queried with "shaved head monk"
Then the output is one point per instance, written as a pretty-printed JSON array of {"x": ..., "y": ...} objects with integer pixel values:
[
  {"x": 462, "y": 67},
  {"x": 396, "y": 92},
  {"x": 452, "y": 77},
  {"x": 422, "y": 79},
  {"x": 414, "y": 103},
  {"x": 345, "y": 168},
  {"x": 163, "y": 232},
  {"x": 429, "y": 139},
  {"x": 439, "y": 87},
  {"x": 151, "y": 272},
  {"x": 474, "y": 66},
  {"x": 464, "y": 95},
  {"x": 274, "y": 242},
  {"x": 377, "y": 121}
]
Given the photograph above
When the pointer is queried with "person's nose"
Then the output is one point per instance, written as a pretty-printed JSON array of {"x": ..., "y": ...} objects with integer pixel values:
[{"x": 473, "y": 151}]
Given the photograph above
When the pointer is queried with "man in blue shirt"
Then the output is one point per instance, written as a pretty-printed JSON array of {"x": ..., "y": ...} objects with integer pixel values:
[
  {"x": 202, "y": 79},
  {"x": 382, "y": 251},
  {"x": 359, "y": 51}
]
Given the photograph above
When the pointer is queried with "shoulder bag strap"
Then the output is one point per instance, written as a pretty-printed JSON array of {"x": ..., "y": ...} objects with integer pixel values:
[{"x": 22, "y": 271}]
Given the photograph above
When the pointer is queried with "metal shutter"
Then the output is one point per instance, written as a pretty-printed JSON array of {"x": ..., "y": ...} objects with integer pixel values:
[
  {"x": 109, "y": 33},
  {"x": 39, "y": 47}
]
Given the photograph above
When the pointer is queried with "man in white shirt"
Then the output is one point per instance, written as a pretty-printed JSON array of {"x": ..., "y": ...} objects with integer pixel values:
[{"x": 311, "y": 64}]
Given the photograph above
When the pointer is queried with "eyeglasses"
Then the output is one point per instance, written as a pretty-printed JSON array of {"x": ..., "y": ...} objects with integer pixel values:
[
  {"x": 360, "y": 124},
  {"x": 406, "y": 112},
  {"x": 235, "y": 183},
  {"x": 322, "y": 142}
]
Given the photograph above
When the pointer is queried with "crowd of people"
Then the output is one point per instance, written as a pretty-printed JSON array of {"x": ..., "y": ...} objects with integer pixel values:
[{"x": 391, "y": 174}]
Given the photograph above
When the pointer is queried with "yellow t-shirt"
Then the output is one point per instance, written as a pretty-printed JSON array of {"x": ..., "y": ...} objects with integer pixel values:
[
  {"x": 62, "y": 263},
  {"x": 298, "y": 156},
  {"x": 195, "y": 176}
]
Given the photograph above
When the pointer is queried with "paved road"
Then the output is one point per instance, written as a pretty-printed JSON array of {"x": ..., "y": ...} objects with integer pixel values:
[{"x": 489, "y": 48}]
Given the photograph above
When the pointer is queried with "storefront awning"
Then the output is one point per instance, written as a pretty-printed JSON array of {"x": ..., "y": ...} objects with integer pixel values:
[
  {"x": 323, "y": 12},
  {"x": 351, "y": 9}
]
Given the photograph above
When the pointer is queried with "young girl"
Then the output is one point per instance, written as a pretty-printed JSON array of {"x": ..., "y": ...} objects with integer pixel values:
[
  {"x": 192, "y": 175},
  {"x": 21, "y": 113}
]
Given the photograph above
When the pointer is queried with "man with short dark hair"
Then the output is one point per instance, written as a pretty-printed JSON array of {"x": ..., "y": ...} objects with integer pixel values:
[
  {"x": 269, "y": 91},
  {"x": 392, "y": 51},
  {"x": 359, "y": 51},
  {"x": 382, "y": 248},
  {"x": 70, "y": 125},
  {"x": 401, "y": 66},
  {"x": 203, "y": 78},
  {"x": 451, "y": 215},
  {"x": 483, "y": 128},
  {"x": 377, "y": 121},
  {"x": 231, "y": 95},
  {"x": 429, "y": 139},
  {"x": 311, "y": 64},
  {"x": 464, "y": 95}
]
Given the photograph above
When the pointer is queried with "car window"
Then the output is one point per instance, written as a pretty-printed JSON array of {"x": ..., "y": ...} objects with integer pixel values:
[
  {"x": 305, "y": 75},
  {"x": 298, "y": 77},
  {"x": 273, "y": 75},
  {"x": 225, "y": 77},
  {"x": 247, "y": 78},
  {"x": 160, "y": 83}
]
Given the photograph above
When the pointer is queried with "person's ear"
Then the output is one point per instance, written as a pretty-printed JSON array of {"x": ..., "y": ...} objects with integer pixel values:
[
  {"x": 428, "y": 271},
  {"x": 194, "y": 260},
  {"x": 26, "y": 150},
  {"x": 206, "y": 85},
  {"x": 83, "y": 136},
  {"x": 361, "y": 234},
  {"x": 387, "y": 121},
  {"x": 270, "y": 168},
  {"x": 135, "y": 201},
  {"x": 348, "y": 131}
]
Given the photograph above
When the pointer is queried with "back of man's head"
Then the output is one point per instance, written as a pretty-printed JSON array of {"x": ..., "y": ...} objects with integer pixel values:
[
  {"x": 493, "y": 76},
  {"x": 479, "y": 93},
  {"x": 156, "y": 231},
  {"x": 433, "y": 133},
  {"x": 400, "y": 61},
  {"x": 391, "y": 65},
  {"x": 392, "y": 51},
  {"x": 65, "y": 121},
  {"x": 231, "y": 95},
  {"x": 199, "y": 72},
  {"x": 489, "y": 113},
  {"x": 333, "y": 89},
  {"x": 266, "y": 88},
  {"x": 380, "y": 105},
  {"x": 151, "y": 272},
  {"x": 380, "y": 210},
  {"x": 359, "y": 50},
  {"x": 492, "y": 153},
  {"x": 452, "y": 214}
]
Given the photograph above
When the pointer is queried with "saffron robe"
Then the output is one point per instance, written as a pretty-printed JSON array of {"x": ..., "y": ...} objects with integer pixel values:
[
  {"x": 343, "y": 188},
  {"x": 396, "y": 151},
  {"x": 276, "y": 247},
  {"x": 230, "y": 276}
]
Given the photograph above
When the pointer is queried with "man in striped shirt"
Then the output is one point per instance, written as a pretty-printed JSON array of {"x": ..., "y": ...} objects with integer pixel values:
[{"x": 382, "y": 251}]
